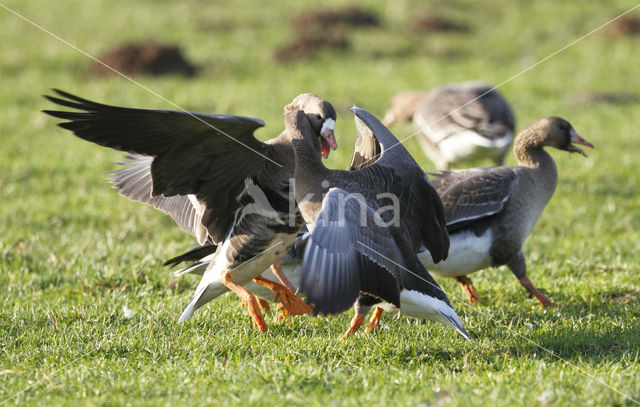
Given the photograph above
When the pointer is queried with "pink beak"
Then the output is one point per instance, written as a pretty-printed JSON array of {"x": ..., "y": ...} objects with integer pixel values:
[
  {"x": 575, "y": 138},
  {"x": 328, "y": 141}
]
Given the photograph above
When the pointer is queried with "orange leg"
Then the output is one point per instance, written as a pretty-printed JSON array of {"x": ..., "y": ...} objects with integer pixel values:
[
  {"x": 544, "y": 300},
  {"x": 468, "y": 288},
  {"x": 247, "y": 299},
  {"x": 264, "y": 305},
  {"x": 356, "y": 322},
  {"x": 291, "y": 303},
  {"x": 276, "y": 269},
  {"x": 374, "y": 322}
]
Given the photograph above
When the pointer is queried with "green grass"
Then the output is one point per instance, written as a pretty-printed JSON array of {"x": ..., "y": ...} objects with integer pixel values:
[{"x": 73, "y": 252}]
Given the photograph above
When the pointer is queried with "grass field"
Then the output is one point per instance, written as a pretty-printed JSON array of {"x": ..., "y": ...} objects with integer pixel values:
[{"x": 73, "y": 252}]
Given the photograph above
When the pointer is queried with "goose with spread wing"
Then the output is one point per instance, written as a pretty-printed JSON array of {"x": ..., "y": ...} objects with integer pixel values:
[
  {"x": 214, "y": 178},
  {"x": 491, "y": 211},
  {"x": 366, "y": 226}
]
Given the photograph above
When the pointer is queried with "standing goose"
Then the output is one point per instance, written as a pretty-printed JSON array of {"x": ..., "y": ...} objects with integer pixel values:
[
  {"x": 214, "y": 178},
  {"x": 366, "y": 226},
  {"x": 458, "y": 123},
  {"x": 289, "y": 272},
  {"x": 491, "y": 211}
]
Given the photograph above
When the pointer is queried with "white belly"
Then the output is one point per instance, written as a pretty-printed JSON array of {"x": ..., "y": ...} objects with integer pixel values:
[
  {"x": 469, "y": 146},
  {"x": 246, "y": 271},
  {"x": 254, "y": 267},
  {"x": 467, "y": 253},
  {"x": 211, "y": 285}
]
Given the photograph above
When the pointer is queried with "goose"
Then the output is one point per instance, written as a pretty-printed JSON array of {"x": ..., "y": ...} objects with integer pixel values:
[
  {"x": 457, "y": 123},
  {"x": 289, "y": 272},
  {"x": 214, "y": 178},
  {"x": 413, "y": 297},
  {"x": 417, "y": 297},
  {"x": 491, "y": 211},
  {"x": 366, "y": 225}
]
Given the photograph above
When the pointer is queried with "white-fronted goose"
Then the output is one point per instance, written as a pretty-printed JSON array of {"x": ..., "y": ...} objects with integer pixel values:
[
  {"x": 458, "y": 123},
  {"x": 491, "y": 211},
  {"x": 290, "y": 271},
  {"x": 214, "y": 178},
  {"x": 366, "y": 226},
  {"x": 414, "y": 297}
]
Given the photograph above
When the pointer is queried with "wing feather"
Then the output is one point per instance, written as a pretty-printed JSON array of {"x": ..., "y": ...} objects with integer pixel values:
[
  {"x": 206, "y": 155},
  {"x": 474, "y": 194},
  {"x": 134, "y": 181},
  {"x": 344, "y": 258}
]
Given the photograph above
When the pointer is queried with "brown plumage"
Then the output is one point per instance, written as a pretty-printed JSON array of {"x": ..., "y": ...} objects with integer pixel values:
[
  {"x": 491, "y": 211},
  {"x": 457, "y": 123},
  {"x": 358, "y": 251},
  {"x": 211, "y": 175}
]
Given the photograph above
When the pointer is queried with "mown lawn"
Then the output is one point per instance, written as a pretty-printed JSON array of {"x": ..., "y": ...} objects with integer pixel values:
[{"x": 73, "y": 252}]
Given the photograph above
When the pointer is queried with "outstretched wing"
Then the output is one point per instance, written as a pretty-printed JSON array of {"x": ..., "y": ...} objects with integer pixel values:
[
  {"x": 365, "y": 151},
  {"x": 422, "y": 211},
  {"x": 135, "y": 182},
  {"x": 430, "y": 219},
  {"x": 348, "y": 252},
  {"x": 469, "y": 195},
  {"x": 208, "y": 156}
]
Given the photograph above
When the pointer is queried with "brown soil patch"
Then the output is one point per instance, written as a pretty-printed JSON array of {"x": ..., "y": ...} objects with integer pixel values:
[
  {"x": 351, "y": 16},
  {"x": 148, "y": 58},
  {"x": 306, "y": 46},
  {"x": 614, "y": 98},
  {"x": 628, "y": 25},
  {"x": 431, "y": 23},
  {"x": 623, "y": 298},
  {"x": 326, "y": 29}
]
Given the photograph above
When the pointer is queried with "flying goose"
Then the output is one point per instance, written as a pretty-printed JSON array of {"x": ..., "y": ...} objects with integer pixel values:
[
  {"x": 366, "y": 226},
  {"x": 457, "y": 123},
  {"x": 491, "y": 211},
  {"x": 214, "y": 178}
]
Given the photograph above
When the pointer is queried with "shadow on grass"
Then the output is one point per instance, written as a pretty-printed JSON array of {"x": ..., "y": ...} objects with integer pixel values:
[{"x": 604, "y": 328}]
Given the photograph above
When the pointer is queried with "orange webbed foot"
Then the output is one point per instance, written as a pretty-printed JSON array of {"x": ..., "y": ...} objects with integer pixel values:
[
  {"x": 356, "y": 322},
  {"x": 289, "y": 302},
  {"x": 264, "y": 305},
  {"x": 256, "y": 315},
  {"x": 374, "y": 323},
  {"x": 545, "y": 302},
  {"x": 247, "y": 300},
  {"x": 467, "y": 286},
  {"x": 276, "y": 269}
]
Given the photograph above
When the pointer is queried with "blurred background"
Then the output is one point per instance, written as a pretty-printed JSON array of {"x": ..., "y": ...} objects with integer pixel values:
[
  {"x": 65, "y": 235},
  {"x": 240, "y": 57}
]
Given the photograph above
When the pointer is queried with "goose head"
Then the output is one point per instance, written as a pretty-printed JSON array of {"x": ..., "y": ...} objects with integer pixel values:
[
  {"x": 403, "y": 106},
  {"x": 558, "y": 133},
  {"x": 322, "y": 117}
]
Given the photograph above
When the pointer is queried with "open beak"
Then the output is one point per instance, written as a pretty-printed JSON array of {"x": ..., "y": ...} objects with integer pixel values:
[
  {"x": 575, "y": 138},
  {"x": 327, "y": 138}
]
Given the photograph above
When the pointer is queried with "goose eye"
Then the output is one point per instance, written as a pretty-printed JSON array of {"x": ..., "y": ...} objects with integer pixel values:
[{"x": 318, "y": 116}]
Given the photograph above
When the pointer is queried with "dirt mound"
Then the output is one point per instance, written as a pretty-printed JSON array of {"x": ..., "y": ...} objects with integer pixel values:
[
  {"x": 629, "y": 25},
  {"x": 432, "y": 23},
  {"x": 326, "y": 29},
  {"x": 352, "y": 16},
  {"x": 613, "y": 98},
  {"x": 148, "y": 58},
  {"x": 306, "y": 46}
]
